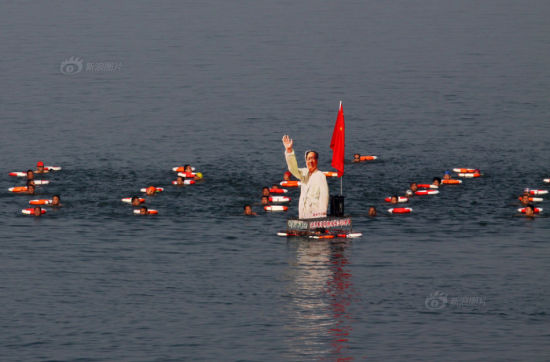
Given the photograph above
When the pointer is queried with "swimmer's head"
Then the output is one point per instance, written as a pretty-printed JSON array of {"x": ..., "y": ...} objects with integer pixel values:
[
  {"x": 135, "y": 201},
  {"x": 150, "y": 190},
  {"x": 198, "y": 175},
  {"x": 265, "y": 191},
  {"x": 286, "y": 176},
  {"x": 394, "y": 199},
  {"x": 265, "y": 200},
  {"x": 247, "y": 209},
  {"x": 187, "y": 168},
  {"x": 31, "y": 189},
  {"x": 529, "y": 210},
  {"x": 447, "y": 175},
  {"x": 37, "y": 211},
  {"x": 413, "y": 186},
  {"x": 40, "y": 166},
  {"x": 372, "y": 211},
  {"x": 436, "y": 181},
  {"x": 143, "y": 210},
  {"x": 56, "y": 200},
  {"x": 30, "y": 174}
]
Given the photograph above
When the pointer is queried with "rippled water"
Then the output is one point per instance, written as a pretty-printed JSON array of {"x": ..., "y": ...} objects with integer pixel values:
[{"x": 426, "y": 86}]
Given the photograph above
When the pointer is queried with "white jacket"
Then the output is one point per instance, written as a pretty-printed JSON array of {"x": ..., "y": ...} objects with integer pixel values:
[{"x": 314, "y": 189}]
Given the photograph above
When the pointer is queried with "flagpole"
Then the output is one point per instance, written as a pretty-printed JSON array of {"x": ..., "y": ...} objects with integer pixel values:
[{"x": 341, "y": 178}]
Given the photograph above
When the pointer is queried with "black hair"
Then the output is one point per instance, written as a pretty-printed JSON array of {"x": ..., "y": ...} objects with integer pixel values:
[
  {"x": 315, "y": 153},
  {"x": 245, "y": 206},
  {"x": 531, "y": 206},
  {"x": 143, "y": 207},
  {"x": 265, "y": 187},
  {"x": 30, "y": 171},
  {"x": 438, "y": 179},
  {"x": 57, "y": 196},
  {"x": 134, "y": 198},
  {"x": 356, "y": 154}
]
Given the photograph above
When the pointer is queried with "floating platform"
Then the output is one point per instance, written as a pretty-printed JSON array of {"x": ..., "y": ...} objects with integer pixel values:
[{"x": 320, "y": 228}]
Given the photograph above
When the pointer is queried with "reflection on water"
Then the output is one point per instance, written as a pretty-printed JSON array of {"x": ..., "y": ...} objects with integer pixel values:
[{"x": 321, "y": 292}]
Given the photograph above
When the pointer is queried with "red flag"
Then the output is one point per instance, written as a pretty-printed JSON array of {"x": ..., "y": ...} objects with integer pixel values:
[{"x": 338, "y": 141}]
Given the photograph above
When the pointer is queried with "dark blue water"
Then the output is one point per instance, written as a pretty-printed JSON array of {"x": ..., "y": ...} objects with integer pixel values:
[{"x": 426, "y": 86}]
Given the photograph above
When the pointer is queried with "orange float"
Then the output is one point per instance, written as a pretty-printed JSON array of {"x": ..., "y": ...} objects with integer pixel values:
[
  {"x": 426, "y": 192},
  {"x": 185, "y": 182},
  {"x": 533, "y": 199},
  {"x": 40, "y": 202},
  {"x": 451, "y": 182},
  {"x": 18, "y": 174},
  {"x": 399, "y": 199},
  {"x": 400, "y": 210},
  {"x": 181, "y": 169},
  {"x": 536, "y": 192},
  {"x": 290, "y": 183},
  {"x": 18, "y": 189},
  {"x": 277, "y": 190},
  {"x": 31, "y": 211},
  {"x": 465, "y": 170},
  {"x": 427, "y": 186},
  {"x": 279, "y": 199},
  {"x": 469, "y": 174},
  {"x": 536, "y": 210},
  {"x": 128, "y": 200},
  {"x": 330, "y": 173},
  {"x": 275, "y": 208},
  {"x": 149, "y": 212},
  {"x": 157, "y": 189},
  {"x": 368, "y": 158}
]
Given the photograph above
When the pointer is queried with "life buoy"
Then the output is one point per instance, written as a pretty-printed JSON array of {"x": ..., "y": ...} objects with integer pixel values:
[
  {"x": 275, "y": 208},
  {"x": 451, "y": 182},
  {"x": 547, "y": 180},
  {"x": 330, "y": 174},
  {"x": 278, "y": 191},
  {"x": 399, "y": 199},
  {"x": 149, "y": 212},
  {"x": 290, "y": 183},
  {"x": 157, "y": 189},
  {"x": 40, "y": 202},
  {"x": 185, "y": 182},
  {"x": 534, "y": 199},
  {"x": 18, "y": 189},
  {"x": 368, "y": 158},
  {"x": 536, "y": 210},
  {"x": 41, "y": 182},
  {"x": 400, "y": 210},
  {"x": 329, "y": 236},
  {"x": 18, "y": 174},
  {"x": 187, "y": 174},
  {"x": 279, "y": 199},
  {"x": 52, "y": 168},
  {"x": 536, "y": 192},
  {"x": 469, "y": 175},
  {"x": 181, "y": 169},
  {"x": 31, "y": 211},
  {"x": 427, "y": 186},
  {"x": 426, "y": 192},
  {"x": 128, "y": 200},
  {"x": 464, "y": 170}
]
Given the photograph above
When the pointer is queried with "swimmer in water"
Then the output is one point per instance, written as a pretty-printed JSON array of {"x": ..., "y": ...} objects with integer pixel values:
[
  {"x": 37, "y": 211},
  {"x": 143, "y": 210},
  {"x": 412, "y": 189},
  {"x": 248, "y": 210},
  {"x": 372, "y": 211},
  {"x": 394, "y": 199},
  {"x": 265, "y": 191},
  {"x": 286, "y": 176},
  {"x": 30, "y": 175},
  {"x": 530, "y": 211},
  {"x": 436, "y": 181},
  {"x": 135, "y": 201},
  {"x": 40, "y": 167},
  {"x": 525, "y": 199},
  {"x": 179, "y": 181},
  {"x": 31, "y": 189},
  {"x": 447, "y": 175},
  {"x": 356, "y": 158},
  {"x": 198, "y": 176},
  {"x": 187, "y": 168},
  {"x": 150, "y": 191},
  {"x": 265, "y": 200},
  {"x": 56, "y": 201},
  {"x": 31, "y": 182}
]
